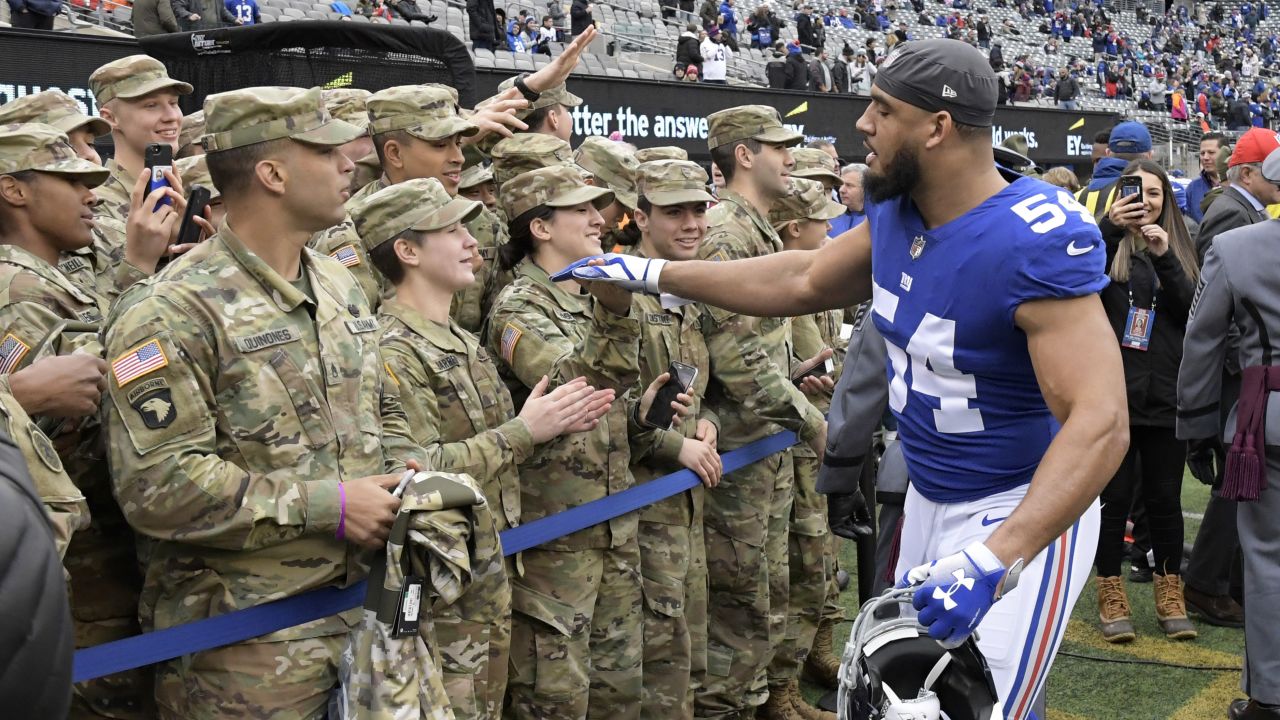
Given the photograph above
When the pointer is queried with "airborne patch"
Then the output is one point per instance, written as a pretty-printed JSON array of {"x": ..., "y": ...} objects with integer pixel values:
[{"x": 155, "y": 408}]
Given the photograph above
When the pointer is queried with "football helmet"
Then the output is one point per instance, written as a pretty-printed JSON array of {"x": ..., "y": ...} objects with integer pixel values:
[{"x": 893, "y": 670}]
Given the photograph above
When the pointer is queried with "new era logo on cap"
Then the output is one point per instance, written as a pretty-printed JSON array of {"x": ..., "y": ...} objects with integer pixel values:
[{"x": 947, "y": 92}]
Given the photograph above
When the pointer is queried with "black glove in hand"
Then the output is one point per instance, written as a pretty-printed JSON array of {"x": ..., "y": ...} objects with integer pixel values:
[
  {"x": 848, "y": 516},
  {"x": 1206, "y": 459}
]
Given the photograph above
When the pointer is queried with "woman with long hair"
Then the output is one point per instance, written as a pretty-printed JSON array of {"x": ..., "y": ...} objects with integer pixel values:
[{"x": 1153, "y": 269}]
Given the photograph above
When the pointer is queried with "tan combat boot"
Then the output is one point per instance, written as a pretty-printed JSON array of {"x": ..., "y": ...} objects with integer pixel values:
[
  {"x": 1113, "y": 611},
  {"x": 803, "y": 708},
  {"x": 822, "y": 667},
  {"x": 1171, "y": 611},
  {"x": 779, "y": 705}
]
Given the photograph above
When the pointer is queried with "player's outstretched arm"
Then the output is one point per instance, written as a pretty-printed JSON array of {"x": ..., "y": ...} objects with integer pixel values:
[
  {"x": 782, "y": 284},
  {"x": 1078, "y": 366}
]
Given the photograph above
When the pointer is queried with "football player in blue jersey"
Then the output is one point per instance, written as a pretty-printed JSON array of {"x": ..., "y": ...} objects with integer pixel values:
[{"x": 1004, "y": 372}]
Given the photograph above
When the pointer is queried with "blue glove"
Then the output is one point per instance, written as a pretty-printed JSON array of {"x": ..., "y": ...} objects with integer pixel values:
[
  {"x": 629, "y": 272},
  {"x": 956, "y": 592}
]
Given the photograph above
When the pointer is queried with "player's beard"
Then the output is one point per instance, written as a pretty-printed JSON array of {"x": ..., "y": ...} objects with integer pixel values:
[{"x": 898, "y": 178}]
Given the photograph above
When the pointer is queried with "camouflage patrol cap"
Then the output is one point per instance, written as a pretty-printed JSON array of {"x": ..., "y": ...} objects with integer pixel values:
[
  {"x": 748, "y": 122},
  {"x": 1223, "y": 161},
  {"x": 474, "y": 169},
  {"x": 556, "y": 186},
  {"x": 805, "y": 200},
  {"x": 814, "y": 164},
  {"x": 35, "y": 146},
  {"x": 453, "y": 91},
  {"x": 348, "y": 104},
  {"x": 662, "y": 152},
  {"x": 192, "y": 129},
  {"x": 558, "y": 95},
  {"x": 419, "y": 204},
  {"x": 132, "y": 77},
  {"x": 52, "y": 107},
  {"x": 195, "y": 171},
  {"x": 612, "y": 164},
  {"x": 428, "y": 112},
  {"x": 253, "y": 115},
  {"x": 523, "y": 152},
  {"x": 673, "y": 182}
]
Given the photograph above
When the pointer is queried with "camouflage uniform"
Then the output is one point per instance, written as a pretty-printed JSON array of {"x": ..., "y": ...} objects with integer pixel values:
[
  {"x": 812, "y": 564},
  {"x": 195, "y": 171},
  {"x": 558, "y": 95},
  {"x": 237, "y": 403},
  {"x": 814, "y": 164},
  {"x": 189, "y": 136},
  {"x": 752, "y": 394},
  {"x": 576, "y": 647},
  {"x": 349, "y": 104},
  {"x": 460, "y": 413},
  {"x": 673, "y": 559},
  {"x": 661, "y": 152},
  {"x": 612, "y": 165},
  {"x": 42, "y": 314}
]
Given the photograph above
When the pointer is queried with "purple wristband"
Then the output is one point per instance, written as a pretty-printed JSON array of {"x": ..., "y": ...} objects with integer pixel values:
[{"x": 342, "y": 512}]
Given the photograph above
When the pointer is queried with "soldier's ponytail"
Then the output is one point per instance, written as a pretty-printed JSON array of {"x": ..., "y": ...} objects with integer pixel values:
[{"x": 520, "y": 246}]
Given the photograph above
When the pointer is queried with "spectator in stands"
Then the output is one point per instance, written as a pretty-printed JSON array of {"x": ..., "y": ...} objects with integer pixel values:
[
  {"x": 580, "y": 16},
  {"x": 150, "y": 17},
  {"x": 820, "y": 78},
  {"x": 729, "y": 25},
  {"x": 862, "y": 74},
  {"x": 852, "y": 199},
  {"x": 484, "y": 24},
  {"x": 805, "y": 31},
  {"x": 1238, "y": 116},
  {"x": 36, "y": 14},
  {"x": 709, "y": 14},
  {"x": 688, "y": 51},
  {"x": 775, "y": 71},
  {"x": 408, "y": 9},
  {"x": 244, "y": 11},
  {"x": 846, "y": 22},
  {"x": 984, "y": 33},
  {"x": 840, "y": 71},
  {"x": 715, "y": 57},
  {"x": 1208, "y": 178},
  {"x": 797, "y": 71},
  {"x": 556, "y": 12},
  {"x": 1067, "y": 92},
  {"x": 547, "y": 34},
  {"x": 202, "y": 14},
  {"x": 1128, "y": 141},
  {"x": 343, "y": 10}
]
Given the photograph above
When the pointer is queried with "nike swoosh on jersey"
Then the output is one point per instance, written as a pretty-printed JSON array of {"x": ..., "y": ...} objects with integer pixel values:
[
  {"x": 1072, "y": 250},
  {"x": 986, "y": 520}
]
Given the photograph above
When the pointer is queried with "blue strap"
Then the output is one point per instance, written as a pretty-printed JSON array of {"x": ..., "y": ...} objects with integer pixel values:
[{"x": 240, "y": 625}]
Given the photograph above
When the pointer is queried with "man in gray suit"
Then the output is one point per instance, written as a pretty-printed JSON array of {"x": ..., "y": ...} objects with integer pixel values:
[
  {"x": 1209, "y": 571},
  {"x": 1240, "y": 288}
]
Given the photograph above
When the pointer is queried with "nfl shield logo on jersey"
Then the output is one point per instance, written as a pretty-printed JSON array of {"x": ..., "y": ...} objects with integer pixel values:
[{"x": 917, "y": 247}]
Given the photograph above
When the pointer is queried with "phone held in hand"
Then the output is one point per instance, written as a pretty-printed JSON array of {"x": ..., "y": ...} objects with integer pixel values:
[
  {"x": 159, "y": 158},
  {"x": 661, "y": 413},
  {"x": 823, "y": 368},
  {"x": 197, "y": 203},
  {"x": 1130, "y": 185}
]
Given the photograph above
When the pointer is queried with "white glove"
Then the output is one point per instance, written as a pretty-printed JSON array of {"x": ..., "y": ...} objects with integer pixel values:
[{"x": 632, "y": 273}]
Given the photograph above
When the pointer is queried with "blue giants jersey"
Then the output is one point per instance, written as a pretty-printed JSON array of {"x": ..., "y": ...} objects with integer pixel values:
[{"x": 970, "y": 414}]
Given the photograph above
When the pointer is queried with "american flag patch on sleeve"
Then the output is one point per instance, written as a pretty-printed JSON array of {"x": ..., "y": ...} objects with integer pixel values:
[
  {"x": 12, "y": 350},
  {"x": 346, "y": 255},
  {"x": 146, "y": 358},
  {"x": 510, "y": 336}
]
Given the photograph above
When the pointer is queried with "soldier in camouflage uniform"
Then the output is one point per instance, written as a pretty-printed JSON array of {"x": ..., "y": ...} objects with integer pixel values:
[
  {"x": 814, "y": 164},
  {"x": 348, "y": 104},
  {"x": 251, "y": 429},
  {"x": 661, "y": 152},
  {"x": 612, "y": 165},
  {"x": 46, "y": 201},
  {"x": 194, "y": 171},
  {"x": 476, "y": 182},
  {"x": 549, "y": 113},
  {"x": 801, "y": 219},
  {"x": 576, "y": 647},
  {"x": 189, "y": 137},
  {"x": 527, "y": 151},
  {"x": 671, "y": 216},
  {"x": 752, "y": 393},
  {"x": 56, "y": 108}
]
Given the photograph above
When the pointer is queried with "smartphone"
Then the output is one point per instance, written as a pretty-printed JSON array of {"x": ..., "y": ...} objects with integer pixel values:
[
  {"x": 826, "y": 367},
  {"x": 197, "y": 203},
  {"x": 1130, "y": 185},
  {"x": 159, "y": 157},
  {"x": 661, "y": 413}
]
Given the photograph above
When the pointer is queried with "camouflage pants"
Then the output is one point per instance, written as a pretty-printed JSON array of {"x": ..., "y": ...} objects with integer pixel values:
[
  {"x": 473, "y": 660},
  {"x": 289, "y": 680},
  {"x": 128, "y": 695},
  {"x": 831, "y": 608},
  {"x": 576, "y": 635},
  {"x": 746, "y": 541},
  {"x": 673, "y": 567},
  {"x": 810, "y": 572}
]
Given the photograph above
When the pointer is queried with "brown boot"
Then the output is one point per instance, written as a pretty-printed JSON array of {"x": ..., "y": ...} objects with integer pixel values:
[
  {"x": 778, "y": 706},
  {"x": 1113, "y": 611},
  {"x": 822, "y": 667},
  {"x": 1170, "y": 609},
  {"x": 803, "y": 708}
]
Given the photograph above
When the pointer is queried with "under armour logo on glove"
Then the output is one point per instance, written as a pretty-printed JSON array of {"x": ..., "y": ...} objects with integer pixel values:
[
  {"x": 955, "y": 592},
  {"x": 632, "y": 273}
]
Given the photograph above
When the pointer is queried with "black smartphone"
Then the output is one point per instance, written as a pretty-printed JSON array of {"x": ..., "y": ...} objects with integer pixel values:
[
  {"x": 1130, "y": 185},
  {"x": 823, "y": 368},
  {"x": 159, "y": 157},
  {"x": 661, "y": 413},
  {"x": 197, "y": 202}
]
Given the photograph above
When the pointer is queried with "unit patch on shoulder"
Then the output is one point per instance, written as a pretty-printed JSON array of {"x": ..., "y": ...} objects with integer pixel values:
[
  {"x": 44, "y": 448},
  {"x": 154, "y": 403}
]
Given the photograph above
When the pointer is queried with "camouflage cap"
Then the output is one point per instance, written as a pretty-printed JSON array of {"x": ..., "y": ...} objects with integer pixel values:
[
  {"x": 612, "y": 164},
  {"x": 428, "y": 112},
  {"x": 558, "y": 95},
  {"x": 523, "y": 152},
  {"x": 814, "y": 164},
  {"x": 348, "y": 104},
  {"x": 475, "y": 175},
  {"x": 748, "y": 122},
  {"x": 195, "y": 171},
  {"x": 453, "y": 91},
  {"x": 35, "y": 146},
  {"x": 253, "y": 115},
  {"x": 192, "y": 129},
  {"x": 805, "y": 200},
  {"x": 132, "y": 77},
  {"x": 419, "y": 204},
  {"x": 673, "y": 182},
  {"x": 556, "y": 186},
  {"x": 52, "y": 107},
  {"x": 1223, "y": 161},
  {"x": 662, "y": 152}
]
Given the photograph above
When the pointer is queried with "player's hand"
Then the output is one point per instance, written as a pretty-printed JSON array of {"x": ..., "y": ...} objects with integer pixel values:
[
  {"x": 848, "y": 515},
  {"x": 1127, "y": 211},
  {"x": 1157, "y": 239},
  {"x": 629, "y": 272},
  {"x": 62, "y": 386},
  {"x": 956, "y": 592},
  {"x": 1206, "y": 459},
  {"x": 371, "y": 509}
]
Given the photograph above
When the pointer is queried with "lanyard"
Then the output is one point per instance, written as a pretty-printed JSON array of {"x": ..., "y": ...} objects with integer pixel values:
[{"x": 1155, "y": 289}]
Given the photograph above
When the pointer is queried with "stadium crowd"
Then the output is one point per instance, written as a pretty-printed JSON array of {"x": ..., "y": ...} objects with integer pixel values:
[{"x": 354, "y": 362}]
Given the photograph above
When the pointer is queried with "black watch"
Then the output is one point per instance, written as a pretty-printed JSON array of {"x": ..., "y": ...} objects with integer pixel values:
[{"x": 528, "y": 94}]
